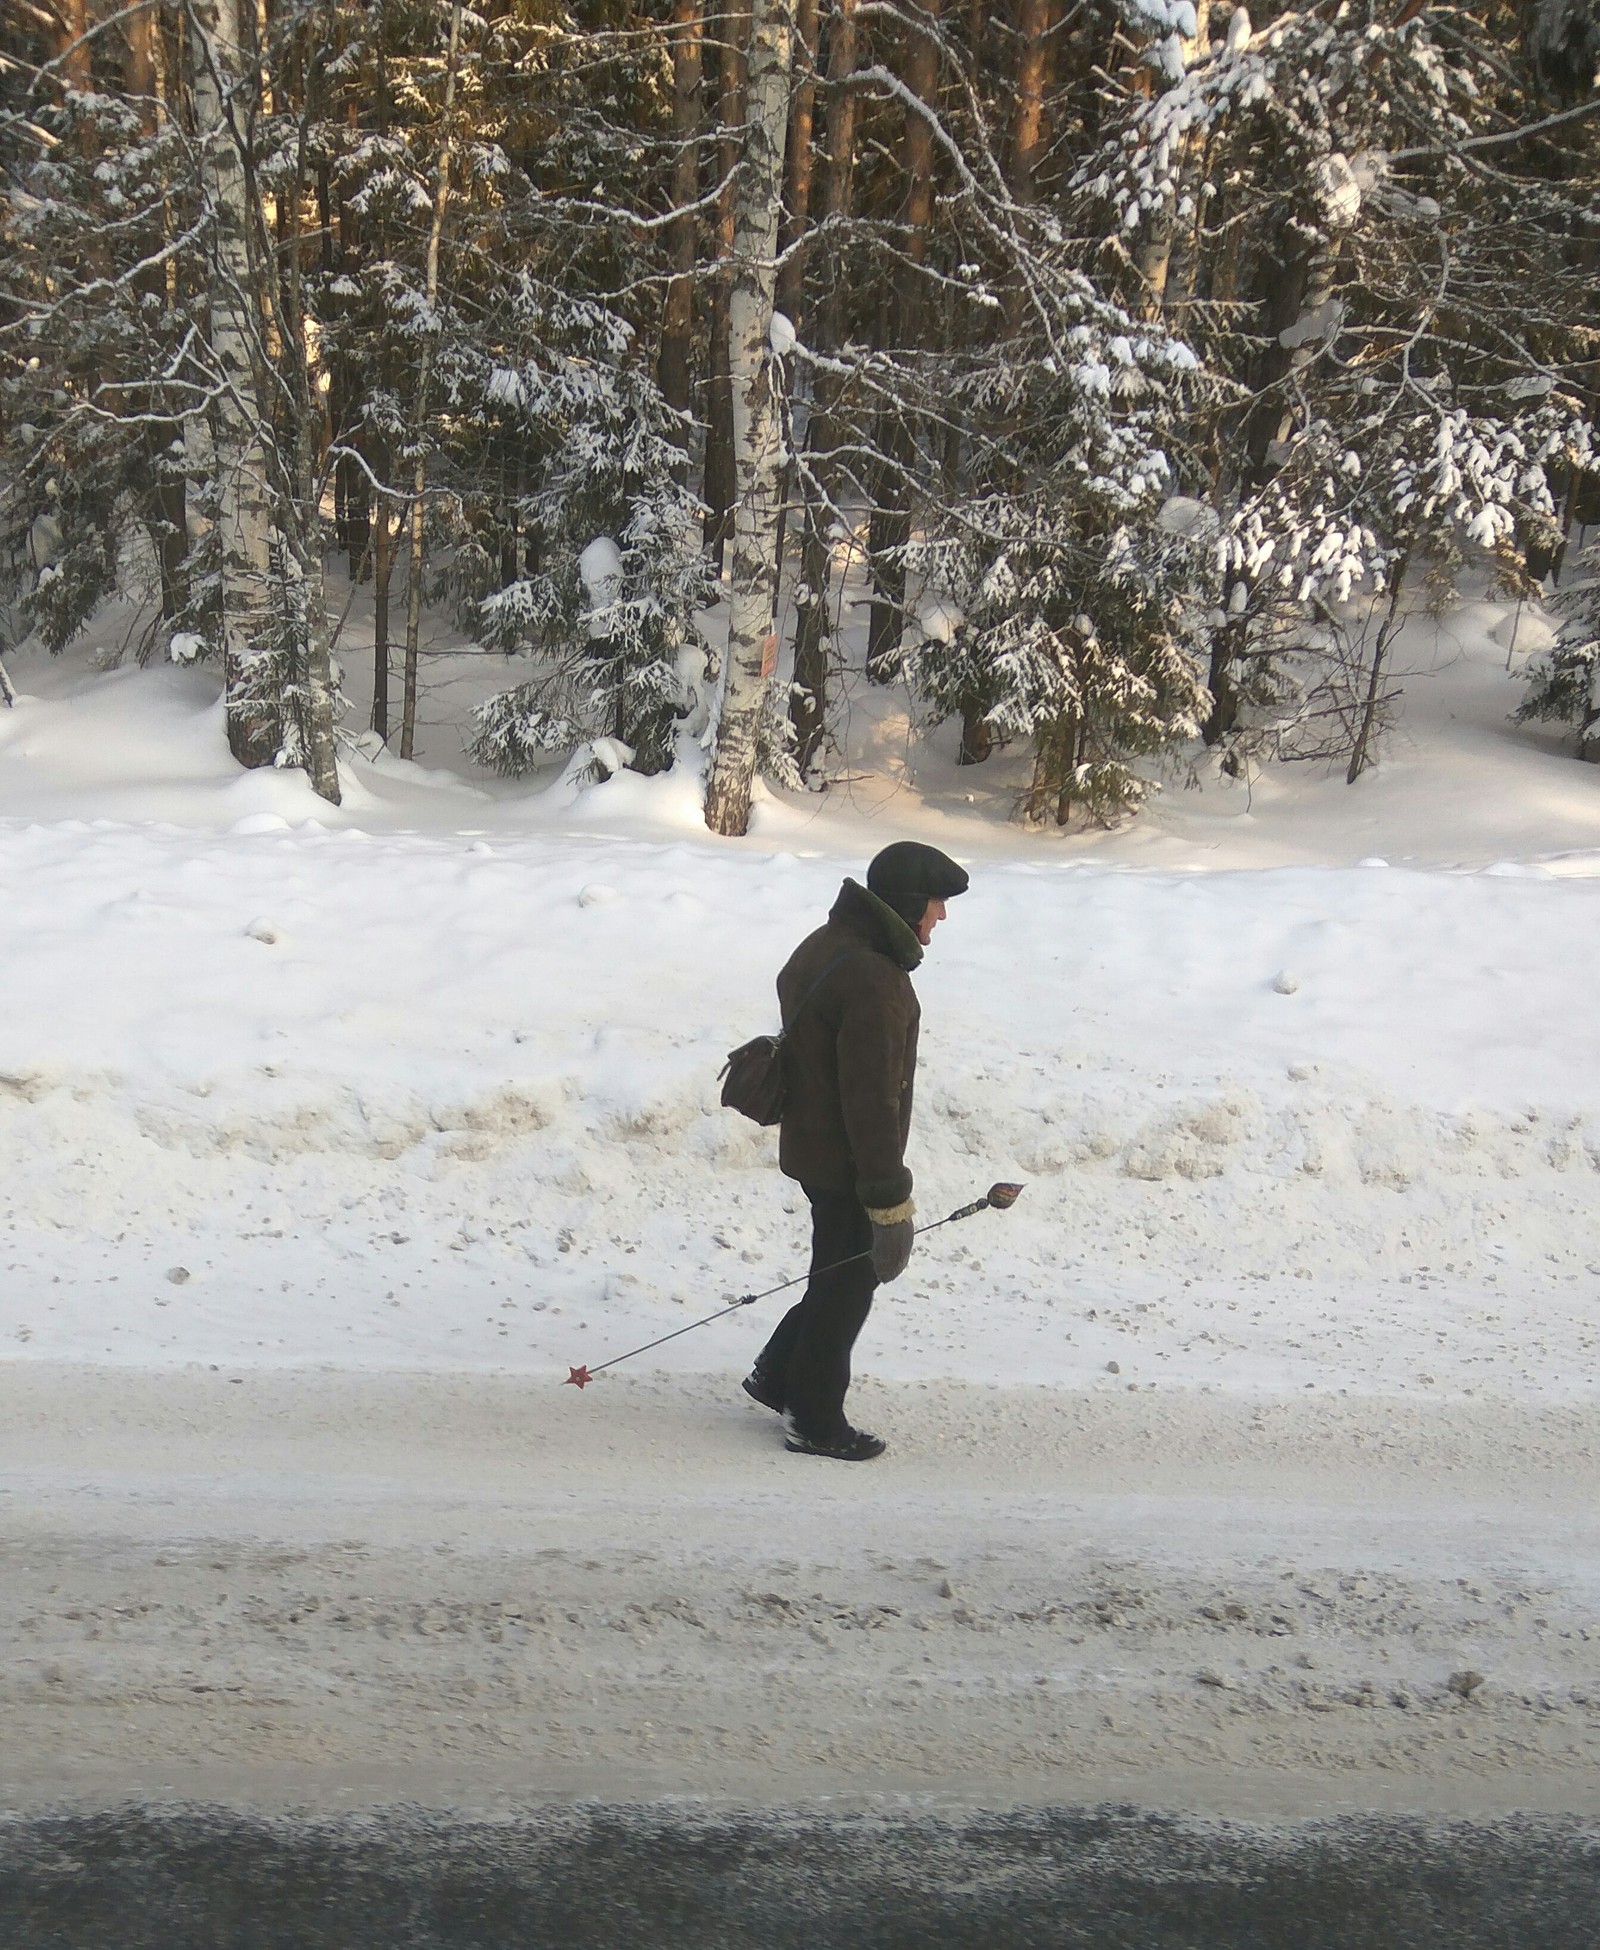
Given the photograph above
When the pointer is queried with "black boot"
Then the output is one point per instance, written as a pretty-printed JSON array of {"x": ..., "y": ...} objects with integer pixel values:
[
  {"x": 762, "y": 1388},
  {"x": 854, "y": 1445}
]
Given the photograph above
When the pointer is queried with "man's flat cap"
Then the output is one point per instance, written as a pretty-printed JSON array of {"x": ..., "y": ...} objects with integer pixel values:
[{"x": 910, "y": 872}]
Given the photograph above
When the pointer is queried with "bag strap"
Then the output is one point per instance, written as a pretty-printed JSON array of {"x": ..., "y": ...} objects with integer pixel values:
[{"x": 810, "y": 995}]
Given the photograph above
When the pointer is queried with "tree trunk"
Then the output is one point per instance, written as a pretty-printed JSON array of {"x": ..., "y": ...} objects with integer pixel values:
[
  {"x": 752, "y": 638},
  {"x": 1055, "y": 752},
  {"x": 169, "y": 528},
  {"x": 801, "y": 159},
  {"x": 721, "y": 468},
  {"x": 1361, "y": 755},
  {"x": 797, "y": 203},
  {"x": 382, "y": 572},
  {"x": 674, "y": 369},
  {"x": 318, "y": 691},
  {"x": 977, "y": 737},
  {"x": 1227, "y": 645},
  {"x": 1306, "y": 285},
  {"x": 419, "y": 479},
  {"x": 808, "y": 708},
  {"x": 1185, "y": 265},
  {"x": 1035, "y": 61},
  {"x": 139, "y": 71},
  {"x": 1035, "y": 49},
  {"x": 251, "y": 679},
  {"x": 303, "y": 540},
  {"x": 1075, "y": 742},
  {"x": 890, "y": 527},
  {"x": 1153, "y": 256},
  {"x": 76, "y": 50},
  {"x": 352, "y": 492}
]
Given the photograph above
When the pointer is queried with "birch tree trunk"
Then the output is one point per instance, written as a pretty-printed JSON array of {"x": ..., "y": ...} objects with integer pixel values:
[
  {"x": 382, "y": 569},
  {"x": 1154, "y": 255},
  {"x": 251, "y": 679},
  {"x": 314, "y": 694},
  {"x": 757, "y": 446}
]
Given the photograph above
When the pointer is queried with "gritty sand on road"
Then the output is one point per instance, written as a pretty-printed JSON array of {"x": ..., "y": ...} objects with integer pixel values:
[{"x": 321, "y": 1589}]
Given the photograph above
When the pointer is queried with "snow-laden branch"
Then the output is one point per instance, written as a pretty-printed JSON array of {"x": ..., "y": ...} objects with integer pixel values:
[
  {"x": 1476, "y": 142},
  {"x": 37, "y": 317},
  {"x": 615, "y": 213}
]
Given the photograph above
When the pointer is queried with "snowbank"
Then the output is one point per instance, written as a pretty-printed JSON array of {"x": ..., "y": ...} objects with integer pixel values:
[{"x": 292, "y": 1095}]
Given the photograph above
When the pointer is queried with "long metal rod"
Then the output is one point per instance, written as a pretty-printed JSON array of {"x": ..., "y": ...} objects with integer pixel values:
[
  {"x": 581, "y": 1376},
  {"x": 816, "y": 1272},
  {"x": 747, "y": 1300}
]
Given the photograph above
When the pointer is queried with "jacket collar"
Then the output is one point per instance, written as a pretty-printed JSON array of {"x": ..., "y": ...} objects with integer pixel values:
[{"x": 860, "y": 910}]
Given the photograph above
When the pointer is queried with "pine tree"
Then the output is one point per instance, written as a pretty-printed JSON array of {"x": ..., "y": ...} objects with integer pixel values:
[
  {"x": 1397, "y": 307},
  {"x": 619, "y": 648},
  {"x": 1564, "y": 683},
  {"x": 1075, "y": 614}
]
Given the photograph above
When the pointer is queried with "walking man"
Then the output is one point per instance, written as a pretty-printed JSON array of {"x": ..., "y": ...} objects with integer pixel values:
[{"x": 850, "y": 1055}]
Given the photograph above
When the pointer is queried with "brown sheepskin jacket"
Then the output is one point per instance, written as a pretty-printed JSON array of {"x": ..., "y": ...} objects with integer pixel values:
[{"x": 850, "y": 1053}]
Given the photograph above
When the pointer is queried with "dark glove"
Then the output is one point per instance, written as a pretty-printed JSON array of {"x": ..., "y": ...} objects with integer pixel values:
[{"x": 893, "y": 1228}]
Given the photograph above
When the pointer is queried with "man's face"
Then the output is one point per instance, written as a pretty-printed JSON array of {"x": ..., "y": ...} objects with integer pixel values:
[{"x": 932, "y": 915}]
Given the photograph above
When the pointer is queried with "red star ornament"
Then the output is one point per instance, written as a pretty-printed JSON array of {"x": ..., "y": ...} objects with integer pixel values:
[{"x": 577, "y": 1378}]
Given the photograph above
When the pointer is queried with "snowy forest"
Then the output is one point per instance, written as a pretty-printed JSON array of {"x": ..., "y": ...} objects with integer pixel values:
[{"x": 1136, "y": 363}]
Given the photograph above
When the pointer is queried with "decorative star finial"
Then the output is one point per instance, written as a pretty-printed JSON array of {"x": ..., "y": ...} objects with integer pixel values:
[{"x": 578, "y": 1378}]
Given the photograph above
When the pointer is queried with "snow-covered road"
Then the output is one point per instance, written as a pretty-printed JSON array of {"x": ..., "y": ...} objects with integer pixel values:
[{"x": 313, "y": 1589}]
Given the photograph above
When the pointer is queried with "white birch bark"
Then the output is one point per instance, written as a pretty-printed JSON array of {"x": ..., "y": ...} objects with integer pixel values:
[
  {"x": 319, "y": 723},
  {"x": 244, "y": 504},
  {"x": 757, "y": 436},
  {"x": 1169, "y": 239}
]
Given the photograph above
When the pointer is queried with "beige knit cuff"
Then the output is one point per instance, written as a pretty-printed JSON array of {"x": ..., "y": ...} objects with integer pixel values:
[{"x": 892, "y": 1215}]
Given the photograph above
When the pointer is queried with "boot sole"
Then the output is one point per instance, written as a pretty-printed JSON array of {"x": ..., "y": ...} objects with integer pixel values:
[{"x": 798, "y": 1446}]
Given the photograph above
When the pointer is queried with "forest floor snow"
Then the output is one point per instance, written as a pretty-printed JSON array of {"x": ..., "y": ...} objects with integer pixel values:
[{"x": 331, "y": 1139}]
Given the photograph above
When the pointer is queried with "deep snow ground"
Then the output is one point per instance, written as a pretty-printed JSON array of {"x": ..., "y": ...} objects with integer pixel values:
[
  {"x": 1459, "y": 783},
  {"x": 376, "y": 1120}
]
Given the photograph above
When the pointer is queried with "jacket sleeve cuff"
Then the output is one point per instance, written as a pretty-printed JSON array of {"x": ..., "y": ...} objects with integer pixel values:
[
  {"x": 877, "y": 1193},
  {"x": 892, "y": 1215}
]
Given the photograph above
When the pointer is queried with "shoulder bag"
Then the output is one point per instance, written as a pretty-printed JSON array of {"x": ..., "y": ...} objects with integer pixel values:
[{"x": 752, "y": 1077}]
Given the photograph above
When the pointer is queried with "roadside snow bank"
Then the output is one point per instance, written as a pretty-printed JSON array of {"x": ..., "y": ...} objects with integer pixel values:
[{"x": 290, "y": 1095}]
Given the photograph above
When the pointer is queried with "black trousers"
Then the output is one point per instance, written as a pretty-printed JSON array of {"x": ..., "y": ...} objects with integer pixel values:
[{"x": 808, "y": 1357}]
